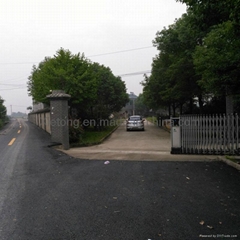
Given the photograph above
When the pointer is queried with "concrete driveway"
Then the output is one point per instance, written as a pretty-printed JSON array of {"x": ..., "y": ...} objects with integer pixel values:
[
  {"x": 152, "y": 139},
  {"x": 153, "y": 144}
]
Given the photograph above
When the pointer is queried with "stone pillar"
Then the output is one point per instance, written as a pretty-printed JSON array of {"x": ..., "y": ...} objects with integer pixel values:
[{"x": 59, "y": 117}]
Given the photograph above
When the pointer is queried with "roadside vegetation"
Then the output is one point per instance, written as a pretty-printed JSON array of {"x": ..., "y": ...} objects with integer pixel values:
[
  {"x": 152, "y": 119},
  {"x": 91, "y": 136},
  {"x": 3, "y": 113},
  {"x": 95, "y": 92},
  {"x": 233, "y": 159},
  {"x": 198, "y": 61}
]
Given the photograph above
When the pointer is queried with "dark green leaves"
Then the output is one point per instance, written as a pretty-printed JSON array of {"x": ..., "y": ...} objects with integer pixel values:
[
  {"x": 3, "y": 112},
  {"x": 199, "y": 57},
  {"x": 93, "y": 87}
]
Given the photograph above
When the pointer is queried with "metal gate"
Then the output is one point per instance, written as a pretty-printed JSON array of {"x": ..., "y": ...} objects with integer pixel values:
[{"x": 209, "y": 134}]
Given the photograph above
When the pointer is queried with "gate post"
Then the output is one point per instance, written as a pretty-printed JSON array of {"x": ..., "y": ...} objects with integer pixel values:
[
  {"x": 59, "y": 117},
  {"x": 175, "y": 136}
]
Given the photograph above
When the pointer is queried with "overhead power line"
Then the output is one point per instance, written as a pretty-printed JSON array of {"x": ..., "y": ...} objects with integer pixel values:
[
  {"x": 96, "y": 55},
  {"x": 17, "y": 63},
  {"x": 135, "y": 73},
  {"x": 19, "y": 86},
  {"x": 121, "y": 75},
  {"x": 12, "y": 85},
  {"x": 12, "y": 88},
  {"x": 19, "y": 106},
  {"x": 122, "y": 51}
]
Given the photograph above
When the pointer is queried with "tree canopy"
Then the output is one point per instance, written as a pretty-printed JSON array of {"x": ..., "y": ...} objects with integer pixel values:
[
  {"x": 173, "y": 81},
  {"x": 94, "y": 90},
  {"x": 217, "y": 60},
  {"x": 198, "y": 60},
  {"x": 3, "y": 112}
]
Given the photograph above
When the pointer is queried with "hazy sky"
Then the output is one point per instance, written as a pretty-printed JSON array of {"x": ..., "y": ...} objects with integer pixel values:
[{"x": 33, "y": 29}]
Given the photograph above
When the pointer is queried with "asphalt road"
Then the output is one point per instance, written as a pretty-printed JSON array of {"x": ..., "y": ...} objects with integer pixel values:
[{"x": 45, "y": 194}]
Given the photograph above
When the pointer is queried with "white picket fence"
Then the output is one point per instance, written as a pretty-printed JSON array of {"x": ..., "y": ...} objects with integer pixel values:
[{"x": 210, "y": 134}]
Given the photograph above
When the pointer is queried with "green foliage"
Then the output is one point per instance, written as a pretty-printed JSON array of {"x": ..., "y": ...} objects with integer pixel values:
[
  {"x": 198, "y": 58},
  {"x": 95, "y": 91},
  {"x": 92, "y": 137},
  {"x": 3, "y": 112},
  {"x": 173, "y": 81},
  {"x": 217, "y": 56},
  {"x": 111, "y": 93},
  {"x": 64, "y": 71},
  {"x": 208, "y": 13},
  {"x": 75, "y": 133},
  {"x": 217, "y": 60},
  {"x": 140, "y": 106}
]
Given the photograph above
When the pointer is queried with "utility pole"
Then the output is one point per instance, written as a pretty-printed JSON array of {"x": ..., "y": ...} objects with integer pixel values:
[{"x": 11, "y": 110}]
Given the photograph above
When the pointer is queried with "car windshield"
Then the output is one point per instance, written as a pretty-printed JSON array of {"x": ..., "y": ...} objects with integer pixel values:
[{"x": 135, "y": 118}]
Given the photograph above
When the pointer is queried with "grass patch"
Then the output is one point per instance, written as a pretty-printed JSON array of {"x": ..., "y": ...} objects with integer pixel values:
[
  {"x": 152, "y": 119},
  {"x": 233, "y": 159},
  {"x": 92, "y": 137},
  {"x": 1, "y": 123}
]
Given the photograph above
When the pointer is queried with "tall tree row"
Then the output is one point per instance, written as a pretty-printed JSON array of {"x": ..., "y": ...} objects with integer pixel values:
[{"x": 199, "y": 59}]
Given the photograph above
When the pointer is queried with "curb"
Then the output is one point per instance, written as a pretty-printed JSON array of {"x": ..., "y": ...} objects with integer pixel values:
[
  {"x": 109, "y": 134},
  {"x": 166, "y": 129},
  {"x": 230, "y": 163}
]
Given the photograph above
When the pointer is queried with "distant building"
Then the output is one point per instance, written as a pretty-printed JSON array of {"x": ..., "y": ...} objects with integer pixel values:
[
  {"x": 132, "y": 95},
  {"x": 38, "y": 106},
  {"x": 129, "y": 109}
]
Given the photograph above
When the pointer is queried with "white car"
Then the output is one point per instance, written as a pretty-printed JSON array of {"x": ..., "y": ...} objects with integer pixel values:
[{"x": 135, "y": 122}]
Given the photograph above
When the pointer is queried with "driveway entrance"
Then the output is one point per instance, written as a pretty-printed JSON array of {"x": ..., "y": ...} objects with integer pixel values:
[
  {"x": 153, "y": 144},
  {"x": 152, "y": 139}
]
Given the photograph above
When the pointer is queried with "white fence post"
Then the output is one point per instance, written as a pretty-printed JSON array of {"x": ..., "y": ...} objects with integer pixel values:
[{"x": 176, "y": 136}]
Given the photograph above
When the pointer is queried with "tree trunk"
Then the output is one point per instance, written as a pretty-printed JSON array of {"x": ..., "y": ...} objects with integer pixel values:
[
  {"x": 169, "y": 110},
  {"x": 200, "y": 102},
  {"x": 174, "y": 109},
  {"x": 181, "y": 108},
  {"x": 190, "y": 105}
]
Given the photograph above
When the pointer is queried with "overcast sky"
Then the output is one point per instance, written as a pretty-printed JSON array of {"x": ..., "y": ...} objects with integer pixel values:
[{"x": 31, "y": 30}]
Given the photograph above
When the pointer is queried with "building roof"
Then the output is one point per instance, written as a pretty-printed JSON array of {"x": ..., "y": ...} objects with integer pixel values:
[
  {"x": 58, "y": 94},
  {"x": 132, "y": 95}
]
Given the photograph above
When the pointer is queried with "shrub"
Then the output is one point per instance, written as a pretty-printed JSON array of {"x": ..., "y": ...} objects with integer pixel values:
[{"x": 75, "y": 134}]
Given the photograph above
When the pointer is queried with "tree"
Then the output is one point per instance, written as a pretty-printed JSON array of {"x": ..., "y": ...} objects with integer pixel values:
[
  {"x": 217, "y": 60},
  {"x": 140, "y": 106},
  {"x": 3, "y": 112},
  {"x": 111, "y": 94},
  {"x": 198, "y": 58},
  {"x": 173, "y": 79},
  {"x": 95, "y": 91},
  {"x": 217, "y": 56},
  {"x": 64, "y": 71},
  {"x": 209, "y": 13}
]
